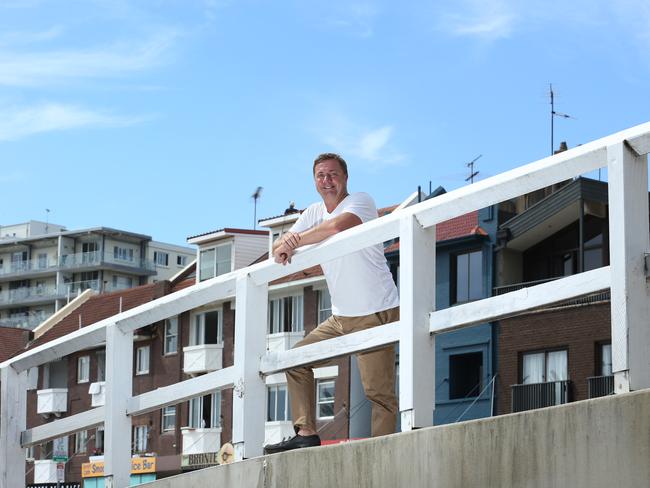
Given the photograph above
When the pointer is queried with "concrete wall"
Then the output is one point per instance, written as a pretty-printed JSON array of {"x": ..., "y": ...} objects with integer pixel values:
[{"x": 597, "y": 443}]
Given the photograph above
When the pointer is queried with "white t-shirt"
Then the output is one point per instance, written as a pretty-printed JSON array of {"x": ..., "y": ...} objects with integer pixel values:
[{"x": 360, "y": 283}]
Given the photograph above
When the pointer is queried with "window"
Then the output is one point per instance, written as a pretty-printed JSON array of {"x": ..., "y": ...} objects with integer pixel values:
[
  {"x": 205, "y": 411},
  {"x": 605, "y": 360},
  {"x": 544, "y": 367},
  {"x": 122, "y": 282},
  {"x": 99, "y": 439},
  {"x": 171, "y": 336},
  {"x": 593, "y": 253},
  {"x": 215, "y": 261},
  {"x": 169, "y": 418},
  {"x": 465, "y": 375},
  {"x": 324, "y": 305},
  {"x": 325, "y": 399},
  {"x": 181, "y": 260},
  {"x": 142, "y": 360},
  {"x": 140, "y": 434},
  {"x": 122, "y": 253},
  {"x": 89, "y": 252},
  {"x": 101, "y": 365},
  {"x": 80, "y": 441},
  {"x": 161, "y": 258},
  {"x": 468, "y": 283},
  {"x": 42, "y": 260},
  {"x": 286, "y": 314},
  {"x": 83, "y": 369},
  {"x": 277, "y": 405},
  {"x": 207, "y": 328}
]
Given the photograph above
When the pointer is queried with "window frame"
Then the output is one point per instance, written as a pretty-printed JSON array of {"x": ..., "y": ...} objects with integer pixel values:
[
  {"x": 277, "y": 311},
  {"x": 140, "y": 436},
  {"x": 319, "y": 402},
  {"x": 454, "y": 275},
  {"x": 161, "y": 258},
  {"x": 196, "y": 329},
  {"x": 139, "y": 370},
  {"x": 165, "y": 414},
  {"x": 83, "y": 371},
  {"x": 321, "y": 311},
  {"x": 546, "y": 352},
  {"x": 274, "y": 390},
  {"x": 167, "y": 335},
  {"x": 80, "y": 437},
  {"x": 215, "y": 265}
]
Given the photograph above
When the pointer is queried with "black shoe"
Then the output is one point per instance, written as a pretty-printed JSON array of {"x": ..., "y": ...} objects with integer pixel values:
[{"x": 296, "y": 442}]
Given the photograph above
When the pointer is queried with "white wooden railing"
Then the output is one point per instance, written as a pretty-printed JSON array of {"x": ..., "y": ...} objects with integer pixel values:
[{"x": 624, "y": 154}]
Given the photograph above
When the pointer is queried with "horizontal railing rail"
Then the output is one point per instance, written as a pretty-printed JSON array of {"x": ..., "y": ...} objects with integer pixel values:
[{"x": 419, "y": 321}]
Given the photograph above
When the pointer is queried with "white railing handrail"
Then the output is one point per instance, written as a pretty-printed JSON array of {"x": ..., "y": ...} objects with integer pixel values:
[
  {"x": 414, "y": 226},
  {"x": 523, "y": 179}
]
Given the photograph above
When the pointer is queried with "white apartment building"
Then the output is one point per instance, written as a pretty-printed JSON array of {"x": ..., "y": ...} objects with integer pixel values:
[{"x": 44, "y": 265}]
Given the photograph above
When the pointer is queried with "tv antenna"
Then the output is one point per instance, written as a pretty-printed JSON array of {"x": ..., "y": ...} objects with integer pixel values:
[
  {"x": 256, "y": 196},
  {"x": 472, "y": 173},
  {"x": 553, "y": 115},
  {"x": 47, "y": 220}
]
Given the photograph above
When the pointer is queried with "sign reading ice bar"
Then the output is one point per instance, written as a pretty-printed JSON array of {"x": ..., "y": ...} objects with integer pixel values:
[
  {"x": 139, "y": 465},
  {"x": 194, "y": 461}
]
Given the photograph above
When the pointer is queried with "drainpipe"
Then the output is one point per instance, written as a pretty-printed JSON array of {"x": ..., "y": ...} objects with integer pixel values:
[{"x": 581, "y": 239}]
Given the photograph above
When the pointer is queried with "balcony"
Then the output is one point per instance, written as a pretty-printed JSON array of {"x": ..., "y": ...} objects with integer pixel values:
[
  {"x": 45, "y": 471},
  {"x": 202, "y": 358},
  {"x": 540, "y": 395},
  {"x": 198, "y": 441},
  {"x": 24, "y": 321},
  {"x": 600, "y": 386},
  {"x": 97, "y": 392},
  {"x": 30, "y": 294},
  {"x": 283, "y": 341},
  {"x": 30, "y": 266},
  {"x": 52, "y": 400},
  {"x": 94, "y": 259},
  {"x": 277, "y": 430}
]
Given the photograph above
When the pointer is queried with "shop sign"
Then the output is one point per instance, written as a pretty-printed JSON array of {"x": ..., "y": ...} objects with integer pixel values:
[
  {"x": 139, "y": 465},
  {"x": 201, "y": 460}
]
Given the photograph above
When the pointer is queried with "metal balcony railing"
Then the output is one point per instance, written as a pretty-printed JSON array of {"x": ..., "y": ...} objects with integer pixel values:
[
  {"x": 540, "y": 395},
  {"x": 600, "y": 386},
  {"x": 500, "y": 290},
  {"x": 29, "y": 294},
  {"x": 624, "y": 154},
  {"x": 24, "y": 321}
]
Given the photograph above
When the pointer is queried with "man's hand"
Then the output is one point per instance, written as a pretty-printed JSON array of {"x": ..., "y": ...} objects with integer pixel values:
[
  {"x": 282, "y": 254},
  {"x": 291, "y": 240}
]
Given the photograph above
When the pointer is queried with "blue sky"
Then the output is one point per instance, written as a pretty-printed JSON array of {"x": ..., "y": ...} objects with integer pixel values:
[{"x": 162, "y": 117}]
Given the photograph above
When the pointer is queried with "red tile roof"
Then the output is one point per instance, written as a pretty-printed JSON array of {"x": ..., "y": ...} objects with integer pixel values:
[
  {"x": 101, "y": 307},
  {"x": 12, "y": 341},
  {"x": 461, "y": 226},
  {"x": 182, "y": 284}
]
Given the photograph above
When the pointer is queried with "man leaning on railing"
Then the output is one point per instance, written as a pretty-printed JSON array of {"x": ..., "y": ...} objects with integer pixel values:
[{"x": 363, "y": 296}]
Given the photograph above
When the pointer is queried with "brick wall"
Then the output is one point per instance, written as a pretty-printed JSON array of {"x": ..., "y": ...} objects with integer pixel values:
[{"x": 579, "y": 329}]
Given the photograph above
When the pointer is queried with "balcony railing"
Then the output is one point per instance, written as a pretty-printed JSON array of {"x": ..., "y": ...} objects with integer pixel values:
[
  {"x": 500, "y": 290},
  {"x": 24, "y": 321},
  {"x": 600, "y": 386},
  {"x": 623, "y": 154},
  {"x": 202, "y": 358},
  {"x": 29, "y": 266},
  {"x": 30, "y": 294},
  {"x": 540, "y": 395},
  {"x": 198, "y": 441},
  {"x": 52, "y": 400}
]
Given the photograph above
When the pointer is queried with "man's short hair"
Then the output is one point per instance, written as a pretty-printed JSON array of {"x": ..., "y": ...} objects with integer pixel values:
[{"x": 335, "y": 157}]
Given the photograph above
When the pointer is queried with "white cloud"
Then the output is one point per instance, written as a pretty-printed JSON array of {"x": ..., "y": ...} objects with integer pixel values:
[
  {"x": 486, "y": 19},
  {"x": 372, "y": 146},
  {"x": 17, "y": 123},
  {"x": 38, "y": 68},
  {"x": 355, "y": 18},
  {"x": 30, "y": 37}
]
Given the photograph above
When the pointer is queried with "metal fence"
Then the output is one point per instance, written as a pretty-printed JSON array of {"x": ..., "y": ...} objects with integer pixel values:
[
  {"x": 600, "y": 386},
  {"x": 539, "y": 395}
]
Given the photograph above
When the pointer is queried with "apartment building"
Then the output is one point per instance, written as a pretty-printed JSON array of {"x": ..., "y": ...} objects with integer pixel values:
[
  {"x": 561, "y": 353},
  {"x": 43, "y": 266}
]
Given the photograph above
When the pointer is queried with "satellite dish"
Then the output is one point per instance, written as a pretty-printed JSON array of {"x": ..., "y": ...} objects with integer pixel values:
[{"x": 226, "y": 454}]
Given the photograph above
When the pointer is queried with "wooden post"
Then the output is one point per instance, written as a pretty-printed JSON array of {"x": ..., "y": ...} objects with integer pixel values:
[
  {"x": 119, "y": 390},
  {"x": 629, "y": 242},
  {"x": 417, "y": 345},
  {"x": 13, "y": 420},
  {"x": 249, "y": 392}
]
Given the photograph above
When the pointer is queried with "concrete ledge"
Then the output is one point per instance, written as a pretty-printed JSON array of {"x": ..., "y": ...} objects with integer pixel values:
[{"x": 603, "y": 442}]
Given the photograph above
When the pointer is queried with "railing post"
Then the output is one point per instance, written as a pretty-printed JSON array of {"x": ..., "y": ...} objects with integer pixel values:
[
  {"x": 13, "y": 420},
  {"x": 249, "y": 393},
  {"x": 416, "y": 345},
  {"x": 628, "y": 243},
  {"x": 119, "y": 390}
]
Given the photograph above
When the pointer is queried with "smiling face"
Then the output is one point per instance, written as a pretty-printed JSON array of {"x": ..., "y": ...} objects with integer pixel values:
[{"x": 331, "y": 182}]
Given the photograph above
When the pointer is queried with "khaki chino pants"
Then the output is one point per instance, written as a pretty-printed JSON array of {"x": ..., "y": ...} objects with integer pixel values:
[{"x": 377, "y": 370}]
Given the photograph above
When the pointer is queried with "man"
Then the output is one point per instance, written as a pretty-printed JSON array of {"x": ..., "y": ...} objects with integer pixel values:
[{"x": 363, "y": 296}]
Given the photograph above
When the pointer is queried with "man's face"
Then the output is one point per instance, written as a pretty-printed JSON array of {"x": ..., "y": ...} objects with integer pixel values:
[{"x": 331, "y": 181}]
